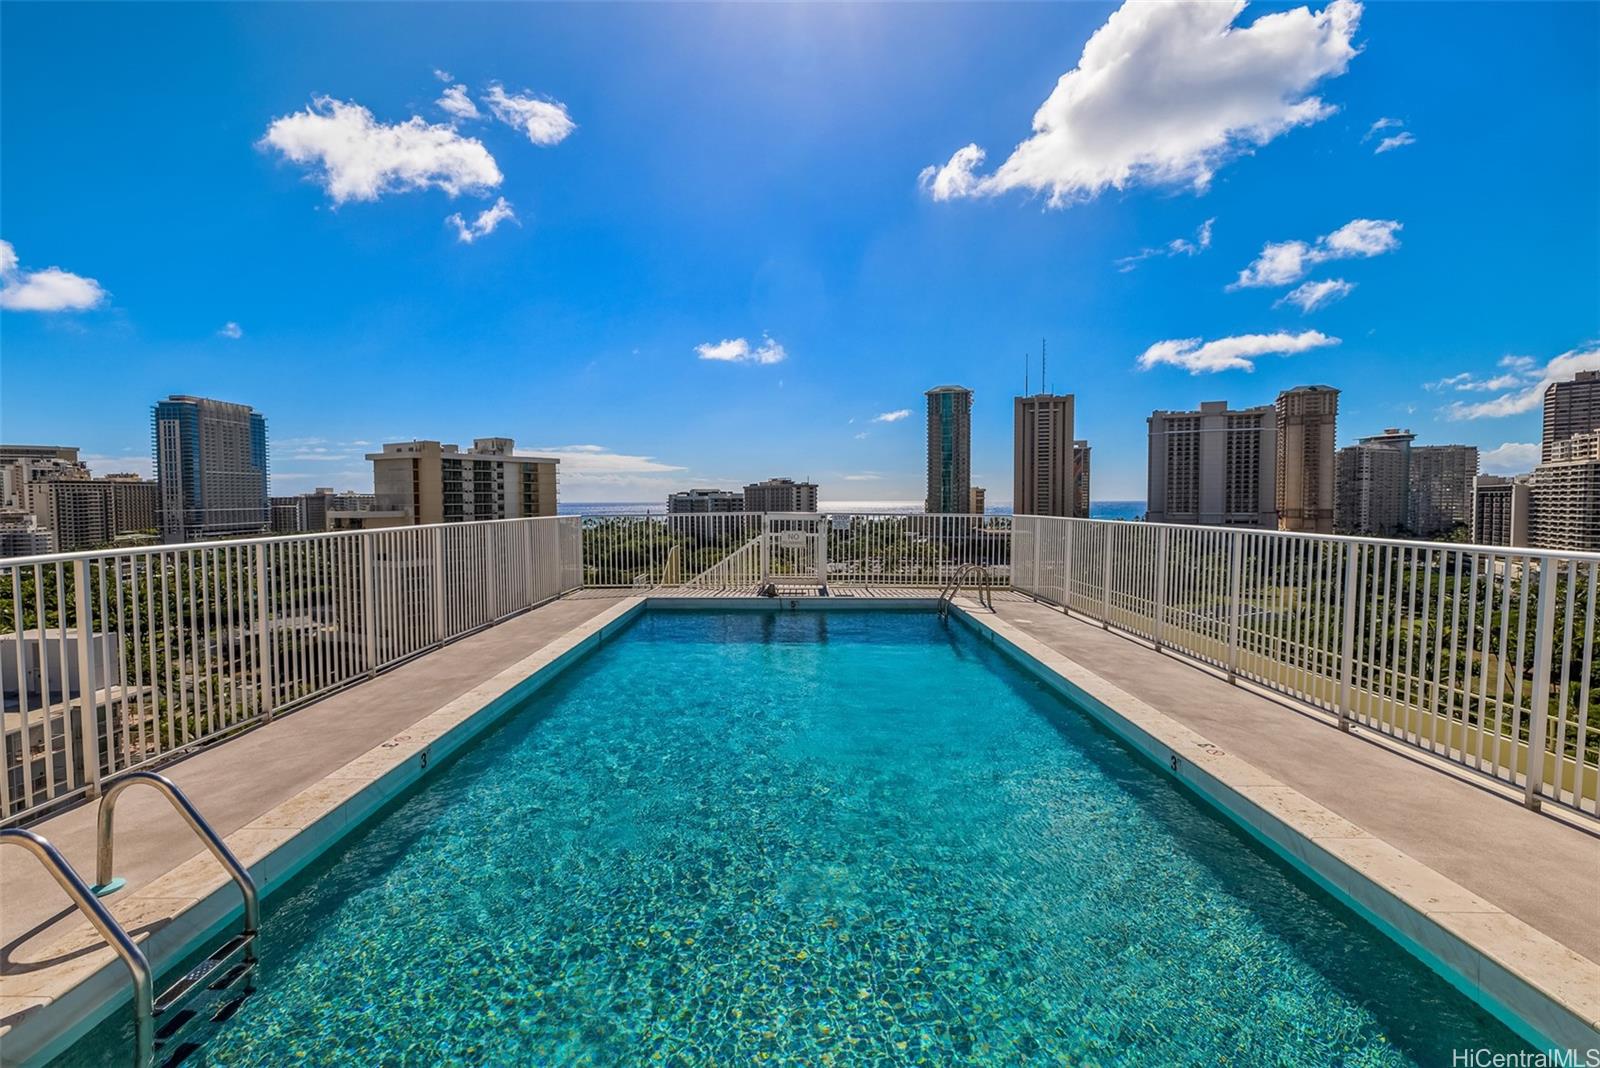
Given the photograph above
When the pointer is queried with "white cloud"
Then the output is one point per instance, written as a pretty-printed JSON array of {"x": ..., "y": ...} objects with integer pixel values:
[
  {"x": 862, "y": 436},
  {"x": 1389, "y": 144},
  {"x": 1310, "y": 296},
  {"x": 1178, "y": 246},
  {"x": 49, "y": 290},
  {"x": 458, "y": 104},
  {"x": 866, "y": 476},
  {"x": 443, "y": 75},
  {"x": 1379, "y": 126},
  {"x": 546, "y": 122},
  {"x": 231, "y": 330},
  {"x": 739, "y": 350},
  {"x": 1283, "y": 262},
  {"x": 101, "y": 466},
  {"x": 1164, "y": 94},
  {"x": 1511, "y": 458},
  {"x": 892, "y": 417},
  {"x": 1529, "y": 392},
  {"x": 360, "y": 158},
  {"x": 486, "y": 222},
  {"x": 1230, "y": 353},
  {"x": 590, "y": 461}
]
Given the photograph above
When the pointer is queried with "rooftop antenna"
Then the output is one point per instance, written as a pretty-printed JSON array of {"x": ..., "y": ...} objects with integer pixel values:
[
  {"x": 1027, "y": 365},
  {"x": 1044, "y": 380}
]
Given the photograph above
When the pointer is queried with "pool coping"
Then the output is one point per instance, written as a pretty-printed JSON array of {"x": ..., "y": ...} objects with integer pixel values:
[
  {"x": 50, "y": 1008},
  {"x": 1546, "y": 992}
]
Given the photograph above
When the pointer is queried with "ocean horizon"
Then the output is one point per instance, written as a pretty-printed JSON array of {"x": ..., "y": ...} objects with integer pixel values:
[{"x": 1097, "y": 509}]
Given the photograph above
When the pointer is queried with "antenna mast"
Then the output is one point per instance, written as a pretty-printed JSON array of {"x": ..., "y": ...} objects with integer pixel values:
[
  {"x": 1044, "y": 379},
  {"x": 1027, "y": 365}
]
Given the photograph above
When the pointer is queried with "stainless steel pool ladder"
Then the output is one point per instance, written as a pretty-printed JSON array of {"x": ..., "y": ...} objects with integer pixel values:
[
  {"x": 952, "y": 587},
  {"x": 223, "y": 969}
]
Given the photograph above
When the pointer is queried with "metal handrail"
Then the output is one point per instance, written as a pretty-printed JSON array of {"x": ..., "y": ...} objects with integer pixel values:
[
  {"x": 168, "y": 789},
  {"x": 112, "y": 931},
  {"x": 952, "y": 587}
]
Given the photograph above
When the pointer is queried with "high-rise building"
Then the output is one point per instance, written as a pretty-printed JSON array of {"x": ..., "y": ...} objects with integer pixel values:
[
  {"x": 24, "y": 468},
  {"x": 1570, "y": 408},
  {"x": 1372, "y": 489},
  {"x": 1214, "y": 466},
  {"x": 1441, "y": 489},
  {"x": 211, "y": 468},
  {"x": 310, "y": 512},
  {"x": 21, "y": 535},
  {"x": 1305, "y": 460},
  {"x": 978, "y": 501},
  {"x": 1564, "y": 496},
  {"x": 705, "y": 502},
  {"x": 92, "y": 513},
  {"x": 428, "y": 482},
  {"x": 1041, "y": 462},
  {"x": 949, "y": 449},
  {"x": 780, "y": 495},
  {"x": 1080, "y": 479},
  {"x": 1500, "y": 511}
]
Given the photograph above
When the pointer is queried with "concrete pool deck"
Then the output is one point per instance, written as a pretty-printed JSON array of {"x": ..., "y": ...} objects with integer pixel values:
[{"x": 286, "y": 778}]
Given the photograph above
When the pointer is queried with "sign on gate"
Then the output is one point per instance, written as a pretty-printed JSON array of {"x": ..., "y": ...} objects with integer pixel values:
[{"x": 791, "y": 539}]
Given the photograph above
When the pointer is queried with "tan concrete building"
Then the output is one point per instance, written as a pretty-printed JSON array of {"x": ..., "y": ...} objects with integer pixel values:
[
  {"x": 1441, "y": 481},
  {"x": 1372, "y": 489},
  {"x": 1042, "y": 455},
  {"x": 25, "y": 468},
  {"x": 1214, "y": 466},
  {"x": 429, "y": 482},
  {"x": 949, "y": 449},
  {"x": 705, "y": 502},
  {"x": 1570, "y": 408},
  {"x": 1306, "y": 482},
  {"x": 978, "y": 500},
  {"x": 92, "y": 513},
  {"x": 1080, "y": 479},
  {"x": 1500, "y": 511},
  {"x": 780, "y": 495},
  {"x": 1564, "y": 496}
]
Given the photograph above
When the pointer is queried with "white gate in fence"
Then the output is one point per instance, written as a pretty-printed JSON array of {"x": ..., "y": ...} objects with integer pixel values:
[{"x": 795, "y": 549}]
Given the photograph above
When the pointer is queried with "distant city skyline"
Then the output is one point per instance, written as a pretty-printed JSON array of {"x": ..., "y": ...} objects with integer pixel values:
[{"x": 661, "y": 301}]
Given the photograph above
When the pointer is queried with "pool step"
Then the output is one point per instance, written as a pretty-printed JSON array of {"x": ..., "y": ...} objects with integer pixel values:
[{"x": 175, "y": 1009}]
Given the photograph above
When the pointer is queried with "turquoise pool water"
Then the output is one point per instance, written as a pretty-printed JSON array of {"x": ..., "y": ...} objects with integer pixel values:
[{"x": 819, "y": 838}]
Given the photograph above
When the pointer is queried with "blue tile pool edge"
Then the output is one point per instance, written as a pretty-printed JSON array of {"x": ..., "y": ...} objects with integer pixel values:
[
  {"x": 1538, "y": 1018},
  {"x": 49, "y": 1030}
]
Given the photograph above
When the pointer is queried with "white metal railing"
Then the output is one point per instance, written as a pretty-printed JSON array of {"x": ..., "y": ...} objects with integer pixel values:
[
  {"x": 1479, "y": 655},
  {"x": 116, "y": 660},
  {"x": 742, "y": 550}
]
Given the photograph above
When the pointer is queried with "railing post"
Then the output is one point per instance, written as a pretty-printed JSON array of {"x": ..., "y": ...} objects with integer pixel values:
[
  {"x": 766, "y": 551},
  {"x": 263, "y": 634},
  {"x": 1038, "y": 540},
  {"x": 1347, "y": 640},
  {"x": 369, "y": 601},
  {"x": 1067, "y": 526},
  {"x": 1539, "y": 692},
  {"x": 1163, "y": 541},
  {"x": 491, "y": 570},
  {"x": 1105, "y": 581},
  {"x": 88, "y": 724},
  {"x": 438, "y": 584},
  {"x": 1235, "y": 595},
  {"x": 822, "y": 551}
]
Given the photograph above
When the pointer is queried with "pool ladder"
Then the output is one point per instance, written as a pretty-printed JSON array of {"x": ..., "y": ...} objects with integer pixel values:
[
  {"x": 952, "y": 587},
  {"x": 233, "y": 961}
]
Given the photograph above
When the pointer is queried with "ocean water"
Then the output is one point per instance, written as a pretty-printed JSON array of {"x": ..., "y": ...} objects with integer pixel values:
[
  {"x": 808, "y": 838},
  {"x": 1097, "y": 509}
]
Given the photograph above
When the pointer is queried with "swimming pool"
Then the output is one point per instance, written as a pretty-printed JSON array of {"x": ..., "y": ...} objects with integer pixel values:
[{"x": 830, "y": 837}]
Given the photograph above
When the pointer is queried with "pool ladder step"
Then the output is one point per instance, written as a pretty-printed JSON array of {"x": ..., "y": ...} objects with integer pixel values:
[{"x": 233, "y": 961}]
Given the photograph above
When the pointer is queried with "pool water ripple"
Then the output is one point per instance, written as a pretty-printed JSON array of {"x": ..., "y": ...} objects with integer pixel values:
[{"x": 806, "y": 838}]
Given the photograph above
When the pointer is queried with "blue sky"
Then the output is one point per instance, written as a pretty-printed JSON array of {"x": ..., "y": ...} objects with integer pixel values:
[{"x": 792, "y": 181}]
